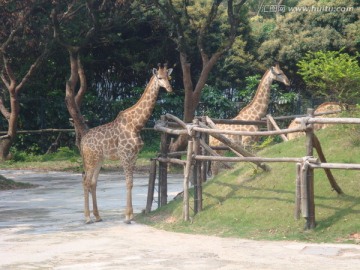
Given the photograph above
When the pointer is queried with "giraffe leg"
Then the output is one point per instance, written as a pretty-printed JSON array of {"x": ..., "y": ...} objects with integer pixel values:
[
  {"x": 215, "y": 165},
  {"x": 129, "y": 215},
  {"x": 215, "y": 168},
  {"x": 86, "y": 187},
  {"x": 93, "y": 194}
]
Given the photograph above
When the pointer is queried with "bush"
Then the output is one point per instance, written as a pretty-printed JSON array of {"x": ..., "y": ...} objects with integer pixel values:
[{"x": 332, "y": 74}]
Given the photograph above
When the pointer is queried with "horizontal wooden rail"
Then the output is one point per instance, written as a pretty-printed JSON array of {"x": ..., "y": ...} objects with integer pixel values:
[
  {"x": 248, "y": 133},
  {"x": 161, "y": 128},
  {"x": 286, "y": 117},
  {"x": 52, "y": 130},
  {"x": 328, "y": 120},
  {"x": 238, "y": 122},
  {"x": 172, "y": 160},
  {"x": 343, "y": 166},
  {"x": 254, "y": 159},
  {"x": 41, "y": 131}
]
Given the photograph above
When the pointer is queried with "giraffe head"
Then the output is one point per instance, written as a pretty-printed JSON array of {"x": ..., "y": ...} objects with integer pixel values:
[
  {"x": 162, "y": 75},
  {"x": 278, "y": 75}
]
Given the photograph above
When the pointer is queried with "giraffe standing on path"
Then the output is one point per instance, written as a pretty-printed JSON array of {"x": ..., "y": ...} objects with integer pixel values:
[
  {"x": 255, "y": 110},
  {"x": 120, "y": 140}
]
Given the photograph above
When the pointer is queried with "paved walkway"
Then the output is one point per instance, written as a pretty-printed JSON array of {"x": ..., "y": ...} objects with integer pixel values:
[{"x": 43, "y": 228}]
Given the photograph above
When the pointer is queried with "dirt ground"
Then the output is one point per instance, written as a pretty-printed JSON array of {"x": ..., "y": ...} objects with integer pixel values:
[{"x": 43, "y": 228}]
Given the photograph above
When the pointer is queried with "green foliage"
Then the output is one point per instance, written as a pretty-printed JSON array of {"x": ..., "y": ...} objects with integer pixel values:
[
  {"x": 21, "y": 156},
  {"x": 298, "y": 32},
  {"x": 261, "y": 28},
  {"x": 237, "y": 64},
  {"x": 331, "y": 74},
  {"x": 215, "y": 103},
  {"x": 251, "y": 84},
  {"x": 63, "y": 153}
]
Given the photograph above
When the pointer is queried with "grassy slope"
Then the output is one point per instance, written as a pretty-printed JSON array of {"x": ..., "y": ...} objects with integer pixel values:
[{"x": 247, "y": 203}]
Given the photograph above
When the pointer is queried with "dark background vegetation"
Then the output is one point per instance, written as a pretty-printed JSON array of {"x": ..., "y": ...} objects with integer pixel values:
[{"x": 119, "y": 60}]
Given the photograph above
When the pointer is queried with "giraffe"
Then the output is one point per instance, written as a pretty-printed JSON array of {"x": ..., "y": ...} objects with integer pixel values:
[
  {"x": 120, "y": 140},
  {"x": 255, "y": 110},
  {"x": 324, "y": 107}
]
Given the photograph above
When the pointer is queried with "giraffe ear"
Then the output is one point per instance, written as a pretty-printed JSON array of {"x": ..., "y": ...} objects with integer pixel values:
[
  {"x": 154, "y": 71},
  {"x": 169, "y": 71}
]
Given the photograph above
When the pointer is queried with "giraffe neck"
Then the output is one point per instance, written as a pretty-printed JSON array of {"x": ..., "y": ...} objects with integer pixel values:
[
  {"x": 136, "y": 116},
  {"x": 257, "y": 108}
]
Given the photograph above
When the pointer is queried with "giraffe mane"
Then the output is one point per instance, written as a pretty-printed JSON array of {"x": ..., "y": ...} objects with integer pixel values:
[{"x": 256, "y": 94}]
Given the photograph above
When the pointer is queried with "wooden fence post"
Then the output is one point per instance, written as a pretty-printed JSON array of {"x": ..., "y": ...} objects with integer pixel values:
[
  {"x": 304, "y": 202},
  {"x": 298, "y": 192},
  {"x": 151, "y": 187},
  {"x": 204, "y": 164},
  {"x": 272, "y": 123},
  {"x": 164, "y": 149},
  {"x": 310, "y": 219},
  {"x": 187, "y": 173},
  {"x": 197, "y": 171}
]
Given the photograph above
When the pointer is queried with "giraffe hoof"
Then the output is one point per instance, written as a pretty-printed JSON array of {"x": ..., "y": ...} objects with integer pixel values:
[
  {"x": 88, "y": 221},
  {"x": 98, "y": 219},
  {"x": 127, "y": 221}
]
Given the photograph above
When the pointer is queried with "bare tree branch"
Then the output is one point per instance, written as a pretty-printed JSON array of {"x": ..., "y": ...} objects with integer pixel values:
[
  {"x": 204, "y": 28},
  {"x": 57, "y": 33},
  {"x": 4, "y": 111},
  {"x": 11, "y": 82},
  {"x": 72, "y": 11},
  {"x": 19, "y": 25},
  {"x": 83, "y": 84},
  {"x": 32, "y": 68},
  {"x": 3, "y": 78}
]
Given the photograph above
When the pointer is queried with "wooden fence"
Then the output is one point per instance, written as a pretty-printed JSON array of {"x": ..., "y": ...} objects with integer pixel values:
[{"x": 199, "y": 152}]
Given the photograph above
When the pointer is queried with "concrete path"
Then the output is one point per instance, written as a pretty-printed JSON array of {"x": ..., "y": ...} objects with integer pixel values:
[{"x": 43, "y": 228}]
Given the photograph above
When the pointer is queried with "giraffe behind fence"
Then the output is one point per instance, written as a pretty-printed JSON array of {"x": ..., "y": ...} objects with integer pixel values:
[{"x": 254, "y": 111}]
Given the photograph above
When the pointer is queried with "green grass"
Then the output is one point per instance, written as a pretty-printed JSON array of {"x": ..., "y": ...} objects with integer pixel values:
[
  {"x": 6, "y": 184},
  {"x": 246, "y": 202},
  {"x": 66, "y": 159}
]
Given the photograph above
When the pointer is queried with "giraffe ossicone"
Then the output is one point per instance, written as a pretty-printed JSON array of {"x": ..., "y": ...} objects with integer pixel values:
[{"x": 120, "y": 140}]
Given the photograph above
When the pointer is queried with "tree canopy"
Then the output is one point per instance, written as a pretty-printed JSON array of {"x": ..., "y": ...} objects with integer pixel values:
[
  {"x": 217, "y": 47},
  {"x": 297, "y": 32}
]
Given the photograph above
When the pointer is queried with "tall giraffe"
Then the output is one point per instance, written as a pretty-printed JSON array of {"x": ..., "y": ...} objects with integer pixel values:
[
  {"x": 120, "y": 140},
  {"x": 255, "y": 110}
]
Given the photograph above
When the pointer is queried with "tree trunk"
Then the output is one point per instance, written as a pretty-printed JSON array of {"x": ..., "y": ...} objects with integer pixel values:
[
  {"x": 5, "y": 145},
  {"x": 12, "y": 118},
  {"x": 192, "y": 96},
  {"x": 177, "y": 15},
  {"x": 72, "y": 100}
]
